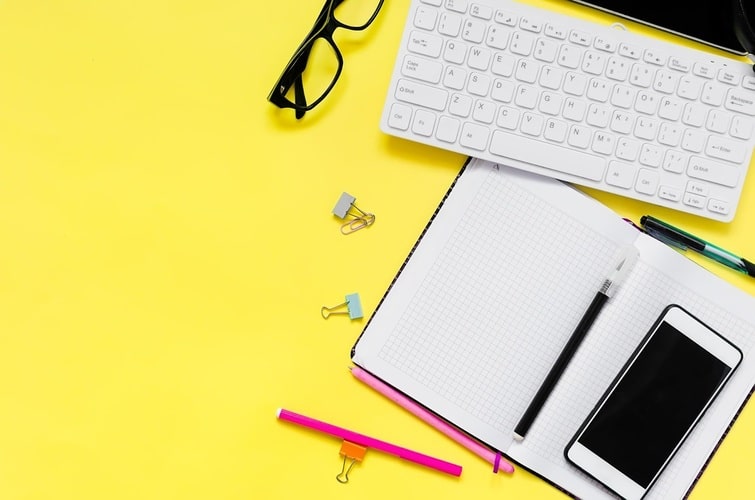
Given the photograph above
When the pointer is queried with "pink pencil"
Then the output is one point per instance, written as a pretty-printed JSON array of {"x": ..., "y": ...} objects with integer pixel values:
[
  {"x": 429, "y": 418},
  {"x": 369, "y": 442}
]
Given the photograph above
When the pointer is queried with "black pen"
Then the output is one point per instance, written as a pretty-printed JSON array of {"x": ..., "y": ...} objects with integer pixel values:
[
  {"x": 683, "y": 240},
  {"x": 610, "y": 284}
]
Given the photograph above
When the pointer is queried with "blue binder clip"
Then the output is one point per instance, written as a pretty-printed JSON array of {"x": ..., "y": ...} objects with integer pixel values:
[
  {"x": 358, "y": 219},
  {"x": 352, "y": 305}
]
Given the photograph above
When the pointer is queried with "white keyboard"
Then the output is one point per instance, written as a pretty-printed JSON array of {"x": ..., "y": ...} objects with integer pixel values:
[{"x": 586, "y": 103}]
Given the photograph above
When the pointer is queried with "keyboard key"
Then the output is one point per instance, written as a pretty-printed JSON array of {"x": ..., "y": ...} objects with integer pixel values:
[
  {"x": 425, "y": 18},
  {"x": 670, "y": 108},
  {"x": 670, "y": 193},
  {"x": 719, "y": 206},
  {"x": 713, "y": 94},
  {"x": 503, "y": 64},
  {"x": 579, "y": 136},
  {"x": 555, "y": 130},
  {"x": 455, "y": 52},
  {"x": 531, "y": 24},
  {"x": 545, "y": 50},
  {"x": 508, "y": 117},
  {"x": 603, "y": 143},
  {"x": 704, "y": 69},
  {"x": 547, "y": 155},
  {"x": 694, "y": 115},
  {"x": 455, "y": 78},
  {"x": 725, "y": 75},
  {"x": 718, "y": 121},
  {"x": 693, "y": 140},
  {"x": 531, "y": 124},
  {"x": 741, "y": 101},
  {"x": 665, "y": 81},
  {"x": 522, "y": 43},
  {"x": 424, "y": 122},
  {"x": 481, "y": 11},
  {"x": 569, "y": 56},
  {"x": 448, "y": 129},
  {"x": 479, "y": 84},
  {"x": 675, "y": 161},
  {"x": 422, "y": 69},
  {"x": 618, "y": 69},
  {"x": 425, "y": 44},
  {"x": 526, "y": 96},
  {"x": 457, "y": 5},
  {"x": 620, "y": 174},
  {"x": 506, "y": 18},
  {"x": 627, "y": 149},
  {"x": 554, "y": 31},
  {"x": 713, "y": 171},
  {"x": 551, "y": 77},
  {"x": 474, "y": 136},
  {"x": 484, "y": 111},
  {"x": 605, "y": 44},
  {"x": 580, "y": 38},
  {"x": 679, "y": 64},
  {"x": 725, "y": 149},
  {"x": 698, "y": 188},
  {"x": 400, "y": 116},
  {"x": 641, "y": 75},
  {"x": 461, "y": 105},
  {"x": 653, "y": 57},
  {"x": 498, "y": 38},
  {"x": 694, "y": 200},
  {"x": 689, "y": 87},
  {"x": 503, "y": 90},
  {"x": 527, "y": 71},
  {"x": 575, "y": 83},
  {"x": 479, "y": 58},
  {"x": 421, "y": 95},
  {"x": 473, "y": 30},
  {"x": 647, "y": 181},
  {"x": 741, "y": 127},
  {"x": 450, "y": 24},
  {"x": 647, "y": 102},
  {"x": 629, "y": 51}
]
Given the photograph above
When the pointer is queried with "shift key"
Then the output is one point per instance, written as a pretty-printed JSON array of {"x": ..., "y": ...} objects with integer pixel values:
[{"x": 421, "y": 95}]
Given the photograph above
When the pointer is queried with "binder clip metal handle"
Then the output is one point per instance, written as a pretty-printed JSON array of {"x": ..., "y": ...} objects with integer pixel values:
[{"x": 351, "y": 451}]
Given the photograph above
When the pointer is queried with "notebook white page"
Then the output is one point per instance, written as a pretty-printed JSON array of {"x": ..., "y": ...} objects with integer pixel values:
[{"x": 491, "y": 293}]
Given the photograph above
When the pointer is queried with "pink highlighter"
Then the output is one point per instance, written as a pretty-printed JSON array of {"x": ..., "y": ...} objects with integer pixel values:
[
  {"x": 428, "y": 417},
  {"x": 354, "y": 438}
]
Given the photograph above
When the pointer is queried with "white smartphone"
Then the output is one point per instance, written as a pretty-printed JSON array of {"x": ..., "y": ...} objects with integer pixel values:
[{"x": 653, "y": 404}]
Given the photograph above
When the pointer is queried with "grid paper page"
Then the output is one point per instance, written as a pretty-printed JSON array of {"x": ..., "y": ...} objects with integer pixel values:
[{"x": 492, "y": 286}]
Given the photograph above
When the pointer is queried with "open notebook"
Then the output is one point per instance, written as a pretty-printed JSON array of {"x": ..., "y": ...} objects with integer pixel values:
[{"x": 492, "y": 290}]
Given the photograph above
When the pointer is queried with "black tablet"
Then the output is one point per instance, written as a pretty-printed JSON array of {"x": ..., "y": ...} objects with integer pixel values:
[{"x": 707, "y": 21}]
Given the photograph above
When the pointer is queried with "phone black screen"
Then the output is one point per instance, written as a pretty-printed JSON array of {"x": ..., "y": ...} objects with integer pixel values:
[
  {"x": 710, "y": 21},
  {"x": 654, "y": 404}
]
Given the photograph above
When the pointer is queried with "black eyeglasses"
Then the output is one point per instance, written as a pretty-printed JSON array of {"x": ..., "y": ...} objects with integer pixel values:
[{"x": 317, "y": 63}]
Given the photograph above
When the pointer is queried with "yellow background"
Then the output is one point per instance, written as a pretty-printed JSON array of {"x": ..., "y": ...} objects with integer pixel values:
[{"x": 167, "y": 243}]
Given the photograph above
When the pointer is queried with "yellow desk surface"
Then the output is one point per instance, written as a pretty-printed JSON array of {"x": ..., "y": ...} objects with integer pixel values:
[{"x": 167, "y": 243}]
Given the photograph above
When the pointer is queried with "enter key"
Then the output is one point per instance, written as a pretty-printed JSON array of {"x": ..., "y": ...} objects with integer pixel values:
[{"x": 726, "y": 149}]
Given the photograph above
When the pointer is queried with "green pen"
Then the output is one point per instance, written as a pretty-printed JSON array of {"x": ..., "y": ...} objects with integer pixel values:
[{"x": 683, "y": 240}]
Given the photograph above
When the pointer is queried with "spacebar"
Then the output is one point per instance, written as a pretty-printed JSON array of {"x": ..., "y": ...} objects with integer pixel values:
[{"x": 546, "y": 155}]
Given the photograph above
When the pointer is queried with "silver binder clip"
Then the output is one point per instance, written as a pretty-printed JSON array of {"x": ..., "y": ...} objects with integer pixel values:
[
  {"x": 357, "y": 218},
  {"x": 352, "y": 306}
]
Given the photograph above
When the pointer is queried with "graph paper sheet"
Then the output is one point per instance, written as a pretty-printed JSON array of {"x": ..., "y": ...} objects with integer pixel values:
[{"x": 490, "y": 294}]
